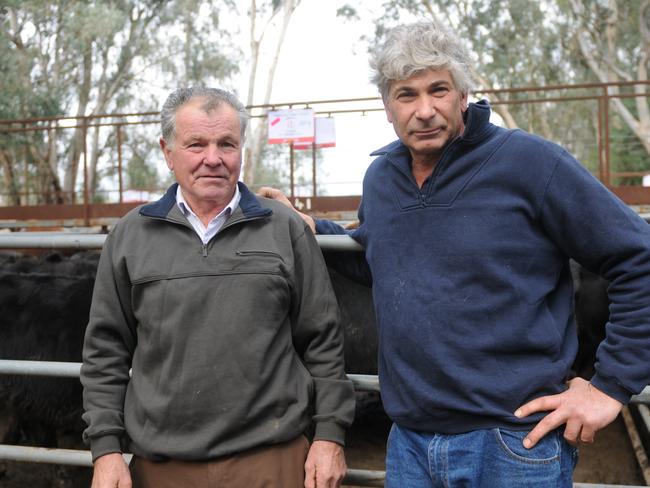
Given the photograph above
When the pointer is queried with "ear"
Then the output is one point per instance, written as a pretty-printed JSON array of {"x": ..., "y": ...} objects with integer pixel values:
[
  {"x": 389, "y": 114},
  {"x": 166, "y": 150},
  {"x": 463, "y": 102}
]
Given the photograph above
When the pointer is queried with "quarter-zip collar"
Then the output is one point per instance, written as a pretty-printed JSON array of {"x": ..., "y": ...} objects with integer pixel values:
[{"x": 249, "y": 206}]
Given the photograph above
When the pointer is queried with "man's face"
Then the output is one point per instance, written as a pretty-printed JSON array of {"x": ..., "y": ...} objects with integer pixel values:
[
  {"x": 206, "y": 153},
  {"x": 426, "y": 111}
]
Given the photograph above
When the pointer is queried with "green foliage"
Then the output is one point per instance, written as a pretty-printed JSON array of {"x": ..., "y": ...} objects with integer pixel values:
[
  {"x": 140, "y": 174},
  {"x": 347, "y": 12}
]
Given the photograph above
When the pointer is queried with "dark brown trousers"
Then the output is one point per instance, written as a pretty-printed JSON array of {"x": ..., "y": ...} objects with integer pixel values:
[{"x": 277, "y": 466}]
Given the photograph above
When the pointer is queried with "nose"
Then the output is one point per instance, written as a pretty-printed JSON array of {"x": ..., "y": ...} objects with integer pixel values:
[
  {"x": 425, "y": 108},
  {"x": 212, "y": 155}
]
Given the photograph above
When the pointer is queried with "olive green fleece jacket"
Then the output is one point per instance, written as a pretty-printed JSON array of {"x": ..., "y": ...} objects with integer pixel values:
[{"x": 231, "y": 345}]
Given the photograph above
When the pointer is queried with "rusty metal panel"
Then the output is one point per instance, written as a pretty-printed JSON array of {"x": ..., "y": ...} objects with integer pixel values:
[
  {"x": 65, "y": 211},
  {"x": 327, "y": 204},
  {"x": 632, "y": 195}
]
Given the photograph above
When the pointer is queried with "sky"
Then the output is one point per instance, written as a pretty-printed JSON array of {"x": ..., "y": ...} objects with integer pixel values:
[{"x": 323, "y": 58}]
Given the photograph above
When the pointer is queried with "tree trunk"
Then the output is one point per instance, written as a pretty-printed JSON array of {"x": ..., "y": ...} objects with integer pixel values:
[
  {"x": 93, "y": 183},
  {"x": 54, "y": 183},
  {"x": 10, "y": 180},
  {"x": 70, "y": 180},
  {"x": 256, "y": 142},
  {"x": 603, "y": 69}
]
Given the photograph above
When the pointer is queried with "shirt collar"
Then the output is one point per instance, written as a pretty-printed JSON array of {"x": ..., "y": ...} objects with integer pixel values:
[{"x": 187, "y": 210}]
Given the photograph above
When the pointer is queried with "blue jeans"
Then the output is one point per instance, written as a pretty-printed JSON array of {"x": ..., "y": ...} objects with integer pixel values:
[{"x": 491, "y": 458}]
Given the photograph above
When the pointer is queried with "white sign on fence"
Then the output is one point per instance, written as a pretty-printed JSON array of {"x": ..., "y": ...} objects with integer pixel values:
[
  {"x": 325, "y": 134},
  {"x": 291, "y": 126}
]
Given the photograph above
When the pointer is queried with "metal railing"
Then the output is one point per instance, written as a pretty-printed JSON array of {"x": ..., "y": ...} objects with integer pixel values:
[
  {"x": 601, "y": 94},
  {"x": 75, "y": 457}
]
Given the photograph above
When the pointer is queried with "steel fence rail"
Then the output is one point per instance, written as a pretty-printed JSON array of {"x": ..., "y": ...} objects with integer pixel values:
[
  {"x": 364, "y": 382},
  {"x": 68, "y": 240},
  {"x": 74, "y": 457}
]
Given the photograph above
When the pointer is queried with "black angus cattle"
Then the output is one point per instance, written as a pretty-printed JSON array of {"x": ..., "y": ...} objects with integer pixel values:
[
  {"x": 591, "y": 315},
  {"x": 43, "y": 315}
]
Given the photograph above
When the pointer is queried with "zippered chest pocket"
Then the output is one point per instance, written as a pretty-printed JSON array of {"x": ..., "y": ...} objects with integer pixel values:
[
  {"x": 258, "y": 259},
  {"x": 251, "y": 253}
]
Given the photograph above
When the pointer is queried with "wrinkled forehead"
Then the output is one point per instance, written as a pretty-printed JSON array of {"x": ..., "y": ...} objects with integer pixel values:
[
  {"x": 202, "y": 116},
  {"x": 423, "y": 78}
]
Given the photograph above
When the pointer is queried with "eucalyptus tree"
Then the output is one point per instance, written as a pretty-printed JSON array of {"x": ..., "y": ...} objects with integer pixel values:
[
  {"x": 263, "y": 16},
  {"x": 90, "y": 57},
  {"x": 518, "y": 43},
  {"x": 612, "y": 39}
]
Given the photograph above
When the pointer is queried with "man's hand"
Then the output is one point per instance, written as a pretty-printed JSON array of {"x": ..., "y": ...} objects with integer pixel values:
[
  {"x": 111, "y": 471},
  {"x": 325, "y": 466},
  {"x": 273, "y": 193},
  {"x": 583, "y": 408}
]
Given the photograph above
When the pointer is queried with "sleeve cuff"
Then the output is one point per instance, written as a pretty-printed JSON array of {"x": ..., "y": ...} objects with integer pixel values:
[
  {"x": 330, "y": 431},
  {"x": 610, "y": 387},
  {"x": 324, "y": 226},
  {"x": 104, "y": 445}
]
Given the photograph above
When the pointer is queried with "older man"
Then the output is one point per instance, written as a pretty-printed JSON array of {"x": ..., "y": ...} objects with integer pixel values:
[
  {"x": 220, "y": 305},
  {"x": 468, "y": 229}
]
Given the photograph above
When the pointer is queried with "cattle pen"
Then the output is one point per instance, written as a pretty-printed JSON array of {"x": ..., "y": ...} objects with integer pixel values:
[{"x": 362, "y": 382}]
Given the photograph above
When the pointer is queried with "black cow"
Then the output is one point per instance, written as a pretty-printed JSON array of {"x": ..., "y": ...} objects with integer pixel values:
[
  {"x": 591, "y": 314},
  {"x": 43, "y": 315}
]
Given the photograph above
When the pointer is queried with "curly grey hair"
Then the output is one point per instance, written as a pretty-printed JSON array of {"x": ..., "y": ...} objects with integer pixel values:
[
  {"x": 413, "y": 48},
  {"x": 213, "y": 98}
]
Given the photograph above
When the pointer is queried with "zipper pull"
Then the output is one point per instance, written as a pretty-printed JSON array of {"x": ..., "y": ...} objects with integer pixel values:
[{"x": 205, "y": 250}]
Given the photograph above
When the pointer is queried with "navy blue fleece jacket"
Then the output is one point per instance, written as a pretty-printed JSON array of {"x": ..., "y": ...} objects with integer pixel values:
[{"x": 471, "y": 279}]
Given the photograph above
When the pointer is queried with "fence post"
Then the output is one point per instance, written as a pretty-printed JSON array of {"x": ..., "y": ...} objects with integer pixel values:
[{"x": 119, "y": 160}]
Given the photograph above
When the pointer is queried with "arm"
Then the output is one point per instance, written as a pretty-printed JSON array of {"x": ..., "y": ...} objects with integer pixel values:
[
  {"x": 108, "y": 347},
  {"x": 317, "y": 338},
  {"x": 590, "y": 225},
  {"x": 274, "y": 194}
]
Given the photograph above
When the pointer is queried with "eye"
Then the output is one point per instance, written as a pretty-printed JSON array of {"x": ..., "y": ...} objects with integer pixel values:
[
  {"x": 405, "y": 96},
  {"x": 440, "y": 91},
  {"x": 229, "y": 145}
]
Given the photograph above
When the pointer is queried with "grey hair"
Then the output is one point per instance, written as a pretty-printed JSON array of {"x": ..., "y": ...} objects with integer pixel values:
[
  {"x": 213, "y": 98},
  {"x": 413, "y": 48}
]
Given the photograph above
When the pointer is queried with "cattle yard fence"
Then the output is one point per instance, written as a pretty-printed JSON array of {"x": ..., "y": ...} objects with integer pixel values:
[
  {"x": 72, "y": 457},
  {"x": 101, "y": 147}
]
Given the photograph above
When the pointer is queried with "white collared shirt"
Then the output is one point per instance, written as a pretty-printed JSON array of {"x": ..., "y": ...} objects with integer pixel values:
[{"x": 214, "y": 226}]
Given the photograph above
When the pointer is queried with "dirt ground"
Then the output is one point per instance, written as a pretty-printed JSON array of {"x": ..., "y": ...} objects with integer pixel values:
[{"x": 609, "y": 460}]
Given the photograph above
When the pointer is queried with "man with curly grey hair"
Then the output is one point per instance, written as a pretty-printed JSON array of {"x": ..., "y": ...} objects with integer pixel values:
[
  {"x": 468, "y": 229},
  {"x": 214, "y": 343}
]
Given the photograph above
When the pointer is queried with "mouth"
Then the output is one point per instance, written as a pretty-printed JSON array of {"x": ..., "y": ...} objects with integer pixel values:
[
  {"x": 212, "y": 177},
  {"x": 429, "y": 132}
]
